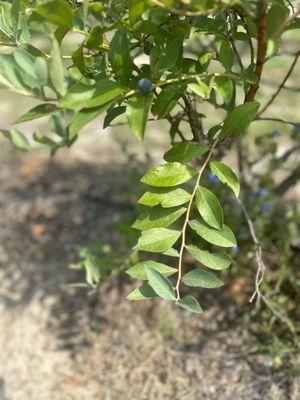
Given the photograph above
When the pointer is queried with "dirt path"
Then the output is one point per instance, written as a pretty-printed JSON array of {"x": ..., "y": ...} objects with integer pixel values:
[{"x": 57, "y": 343}]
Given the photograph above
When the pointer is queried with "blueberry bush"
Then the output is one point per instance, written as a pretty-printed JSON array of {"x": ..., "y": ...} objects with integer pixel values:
[{"x": 156, "y": 60}]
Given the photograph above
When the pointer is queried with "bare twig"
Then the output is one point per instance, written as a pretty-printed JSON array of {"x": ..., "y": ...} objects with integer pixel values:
[
  {"x": 196, "y": 129},
  {"x": 281, "y": 86},
  {"x": 261, "y": 267},
  {"x": 283, "y": 121}
]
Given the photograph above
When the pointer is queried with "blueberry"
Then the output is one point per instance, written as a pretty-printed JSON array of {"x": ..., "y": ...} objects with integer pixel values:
[
  {"x": 212, "y": 178},
  {"x": 145, "y": 85},
  {"x": 262, "y": 192},
  {"x": 265, "y": 207},
  {"x": 235, "y": 249},
  {"x": 276, "y": 133}
]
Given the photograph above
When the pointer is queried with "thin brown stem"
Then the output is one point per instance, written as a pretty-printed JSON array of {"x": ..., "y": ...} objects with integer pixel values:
[
  {"x": 187, "y": 218},
  {"x": 261, "y": 47},
  {"x": 281, "y": 86},
  {"x": 195, "y": 128}
]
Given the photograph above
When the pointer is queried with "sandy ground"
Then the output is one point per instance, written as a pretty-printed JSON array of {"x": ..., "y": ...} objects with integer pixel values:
[{"x": 58, "y": 343}]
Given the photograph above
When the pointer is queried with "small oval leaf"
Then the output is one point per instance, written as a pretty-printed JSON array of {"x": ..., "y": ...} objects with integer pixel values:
[
  {"x": 158, "y": 217},
  {"x": 217, "y": 261},
  {"x": 138, "y": 271},
  {"x": 209, "y": 207},
  {"x": 190, "y": 303},
  {"x": 185, "y": 151},
  {"x": 142, "y": 292},
  {"x": 167, "y": 175},
  {"x": 200, "y": 278},
  {"x": 226, "y": 175},
  {"x": 157, "y": 240},
  {"x": 160, "y": 284},
  {"x": 166, "y": 197},
  {"x": 223, "y": 238}
]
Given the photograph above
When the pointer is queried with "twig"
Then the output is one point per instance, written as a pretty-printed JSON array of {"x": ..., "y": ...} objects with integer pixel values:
[
  {"x": 180, "y": 12},
  {"x": 261, "y": 267},
  {"x": 234, "y": 48},
  {"x": 187, "y": 217},
  {"x": 281, "y": 86},
  {"x": 179, "y": 132},
  {"x": 283, "y": 121},
  {"x": 261, "y": 47},
  {"x": 191, "y": 117}
]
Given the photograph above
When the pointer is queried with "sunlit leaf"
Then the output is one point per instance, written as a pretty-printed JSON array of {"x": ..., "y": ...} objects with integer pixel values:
[
  {"x": 166, "y": 197},
  {"x": 160, "y": 284},
  {"x": 217, "y": 261},
  {"x": 157, "y": 240},
  {"x": 138, "y": 271},
  {"x": 199, "y": 278},
  {"x": 223, "y": 238},
  {"x": 167, "y": 175},
  {"x": 158, "y": 217},
  {"x": 185, "y": 151},
  {"x": 209, "y": 207},
  {"x": 226, "y": 175}
]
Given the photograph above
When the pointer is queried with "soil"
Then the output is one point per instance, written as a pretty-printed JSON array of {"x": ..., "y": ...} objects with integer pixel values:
[{"x": 59, "y": 343}]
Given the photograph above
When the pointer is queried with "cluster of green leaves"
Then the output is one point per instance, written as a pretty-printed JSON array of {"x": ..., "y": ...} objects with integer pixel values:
[
  {"x": 145, "y": 60},
  {"x": 169, "y": 204}
]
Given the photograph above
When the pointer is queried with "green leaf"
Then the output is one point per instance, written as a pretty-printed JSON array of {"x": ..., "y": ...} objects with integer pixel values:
[
  {"x": 209, "y": 208},
  {"x": 41, "y": 70},
  {"x": 239, "y": 118},
  {"x": 224, "y": 88},
  {"x": 158, "y": 217},
  {"x": 200, "y": 278},
  {"x": 136, "y": 9},
  {"x": 89, "y": 96},
  {"x": 276, "y": 19},
  {"x": 142, "y": 293},
  {"x": 200, "y": 89},
  {"x": 223, "y": 238},
  {"x": 57, "y": 12},
  {"x": 157, "y": 240},
  {"x": 166, "y": 197},
  {"x": 167, "y": 175},
  {"x": 119, "y": 56},
  {"x": 185, "y": 151},
  {"x": 137, "y": 111},
  {"x": 39, "y": 111},
  {"x": 226, "y": 175},
  {"x": 171, "y": 56},
  {"x": 83, "y": 117},
  {"x": 15, "y": 15},
  {"x": 217, "y": 261},
  {"x": 171, "y": 252},
  {"x": 139, "y": 270},
  {"x": 226, "y": 55},
  {"x": 160, "y": 284},
  {"x": 25, "y": 61},
  {"x": 190, "y": 303},
  {"x": 56, "y": 69},
  {"x": 17, "y": 139},
  {"x": 167, "y": 100},
  {"x": 113, "y": 114},
  {"x": 78, "y": 59}
]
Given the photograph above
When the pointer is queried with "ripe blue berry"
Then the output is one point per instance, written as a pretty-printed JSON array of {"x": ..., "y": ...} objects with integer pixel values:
[{"x": 145, "y": 85}]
